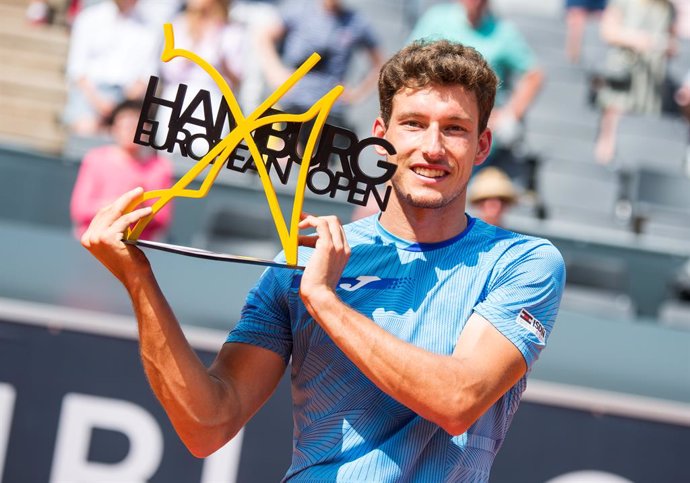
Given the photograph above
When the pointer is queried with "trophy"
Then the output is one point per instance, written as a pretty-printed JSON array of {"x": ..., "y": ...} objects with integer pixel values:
[{"x": 252, "y": 134}]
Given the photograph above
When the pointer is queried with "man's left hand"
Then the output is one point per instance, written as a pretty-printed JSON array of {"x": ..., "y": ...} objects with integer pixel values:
[{"x": 328, "y": 261}]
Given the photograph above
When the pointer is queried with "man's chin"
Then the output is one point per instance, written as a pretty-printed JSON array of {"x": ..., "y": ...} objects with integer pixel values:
[{"x": 426, "y": 202}]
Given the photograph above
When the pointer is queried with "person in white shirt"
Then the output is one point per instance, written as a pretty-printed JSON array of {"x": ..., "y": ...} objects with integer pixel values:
[{"x": 112, "y": 54}]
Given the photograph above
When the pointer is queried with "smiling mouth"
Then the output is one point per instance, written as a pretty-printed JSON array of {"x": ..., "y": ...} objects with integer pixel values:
[{"x": 429, "y": 172}]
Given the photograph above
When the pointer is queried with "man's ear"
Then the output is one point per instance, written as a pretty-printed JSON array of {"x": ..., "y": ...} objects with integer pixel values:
[
  {"x": 483, "y": 146},
  {"x": 379, "y": 130}
]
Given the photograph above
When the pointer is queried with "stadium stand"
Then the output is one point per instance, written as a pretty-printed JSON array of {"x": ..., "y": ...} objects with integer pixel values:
[
  {"x": 616, "y": 225},
  {"x": 631, "y": 218},
  {"x": 32, "y": 87}
]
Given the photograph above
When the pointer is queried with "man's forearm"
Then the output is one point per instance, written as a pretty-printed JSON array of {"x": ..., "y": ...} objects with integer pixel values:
[
  {"x": 194, "y": 401},
  {"x": 524, "y": 93},
  {"x": 431, "y": 385},
  {"x": 271, "y": 63}
]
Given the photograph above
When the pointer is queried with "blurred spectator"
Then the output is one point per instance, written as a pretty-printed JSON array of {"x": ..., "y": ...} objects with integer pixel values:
[
  {"x": 62, "y": 12},
  {"x": 254, "y": 16},
  {"x": 112, "y": 53},
  {"x": 158, "y": 12},
  {"x": 330, "y": 29},
  {"x": 682, "y": 97},
  {"x": 203, "y": 27},
  {"x": 682, "y": 18},
  {"x": 470, "y": 22},
  {"x": 490, "y": 195},
  {"x": 108, "y": 171},
  {"x": 641, "y": 36},
  {"x": 39, "y": 12},
  {"x": 577, "y": 12}
]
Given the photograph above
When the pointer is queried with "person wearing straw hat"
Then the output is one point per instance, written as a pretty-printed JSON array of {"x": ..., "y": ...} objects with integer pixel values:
[{"x": 491, "y": 194}]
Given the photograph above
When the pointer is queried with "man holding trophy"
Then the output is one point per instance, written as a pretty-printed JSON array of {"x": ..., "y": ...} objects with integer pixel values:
[{"x": 409, "y": 333}]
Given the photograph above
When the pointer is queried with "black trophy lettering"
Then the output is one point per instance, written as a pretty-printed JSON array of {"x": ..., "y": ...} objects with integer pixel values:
[{"x": 193, "y": 128}]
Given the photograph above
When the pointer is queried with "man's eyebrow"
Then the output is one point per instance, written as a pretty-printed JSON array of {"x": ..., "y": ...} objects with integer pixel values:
[
  {"x": 416, "y": 114},
  {"x": 410, "y": 114}
]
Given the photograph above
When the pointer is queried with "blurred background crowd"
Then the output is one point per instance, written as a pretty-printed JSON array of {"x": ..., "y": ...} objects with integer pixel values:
[
  {"x": 590, "y": 127},
  {"x": 591, "y": 151}
]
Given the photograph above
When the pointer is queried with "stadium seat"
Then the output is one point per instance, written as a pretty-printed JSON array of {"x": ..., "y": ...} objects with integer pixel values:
[
  {"x": 675, "y": 314},
  {"x": 597, "y": 271},
  {"x": 562, "y": 106},
  {"x": 661, "y": 203},
  {"x": 559, "y": 145},
  {"x": 653, "y": 143},
  {"x": 598, "y": 285},
  {"x": 586, "y": 193},
  {"x": 598, "y": 303}
]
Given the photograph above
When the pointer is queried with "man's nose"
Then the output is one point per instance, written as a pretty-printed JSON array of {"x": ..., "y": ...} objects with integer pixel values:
[{"x": 432, "y": 147}]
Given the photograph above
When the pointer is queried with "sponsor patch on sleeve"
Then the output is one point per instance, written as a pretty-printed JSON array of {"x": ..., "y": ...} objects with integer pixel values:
[{"x": 529, "y": 322}]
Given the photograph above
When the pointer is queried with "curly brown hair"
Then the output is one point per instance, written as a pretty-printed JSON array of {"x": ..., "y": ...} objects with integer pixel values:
[{"x": 438, "y": 62}]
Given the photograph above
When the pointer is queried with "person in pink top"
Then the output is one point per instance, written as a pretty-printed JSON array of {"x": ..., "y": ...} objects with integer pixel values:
[{"x": 107, "y": 171}]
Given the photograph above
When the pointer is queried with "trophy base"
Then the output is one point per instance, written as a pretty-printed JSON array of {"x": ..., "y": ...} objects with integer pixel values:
[{"x": 199, "y": 253}]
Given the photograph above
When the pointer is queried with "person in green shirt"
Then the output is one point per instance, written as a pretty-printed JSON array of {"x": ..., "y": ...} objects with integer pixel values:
[{"x": 472, "y": 23}]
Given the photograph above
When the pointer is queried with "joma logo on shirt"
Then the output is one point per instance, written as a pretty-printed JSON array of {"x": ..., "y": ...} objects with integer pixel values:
[
  {"x": 361, "y": 281},
  {"x": 367, "y": 282}
]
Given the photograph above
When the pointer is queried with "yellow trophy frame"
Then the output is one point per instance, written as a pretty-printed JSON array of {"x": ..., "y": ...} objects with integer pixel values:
[{"x": 242, "y": 132}]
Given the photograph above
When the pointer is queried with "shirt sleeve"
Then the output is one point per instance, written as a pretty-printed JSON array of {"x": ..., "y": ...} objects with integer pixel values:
[
  {"x": 519, "y": 56},
  {"x": 265, "y": 318},
  {"x": 524, "y": 296}
]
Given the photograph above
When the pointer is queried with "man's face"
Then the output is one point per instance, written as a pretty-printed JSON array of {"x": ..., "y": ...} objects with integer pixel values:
[
  {"x": 332, "y": 5},
  {"x": 434, "y": 130},
  {"x": 126, "y": 5}
]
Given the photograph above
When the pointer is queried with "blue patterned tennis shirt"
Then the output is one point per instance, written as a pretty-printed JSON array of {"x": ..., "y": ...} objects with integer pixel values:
[{"x": 348, "y": 430}]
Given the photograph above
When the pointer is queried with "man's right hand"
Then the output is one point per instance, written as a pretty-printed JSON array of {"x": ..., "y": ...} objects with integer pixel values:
[{"x": 103, "y": 237}]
